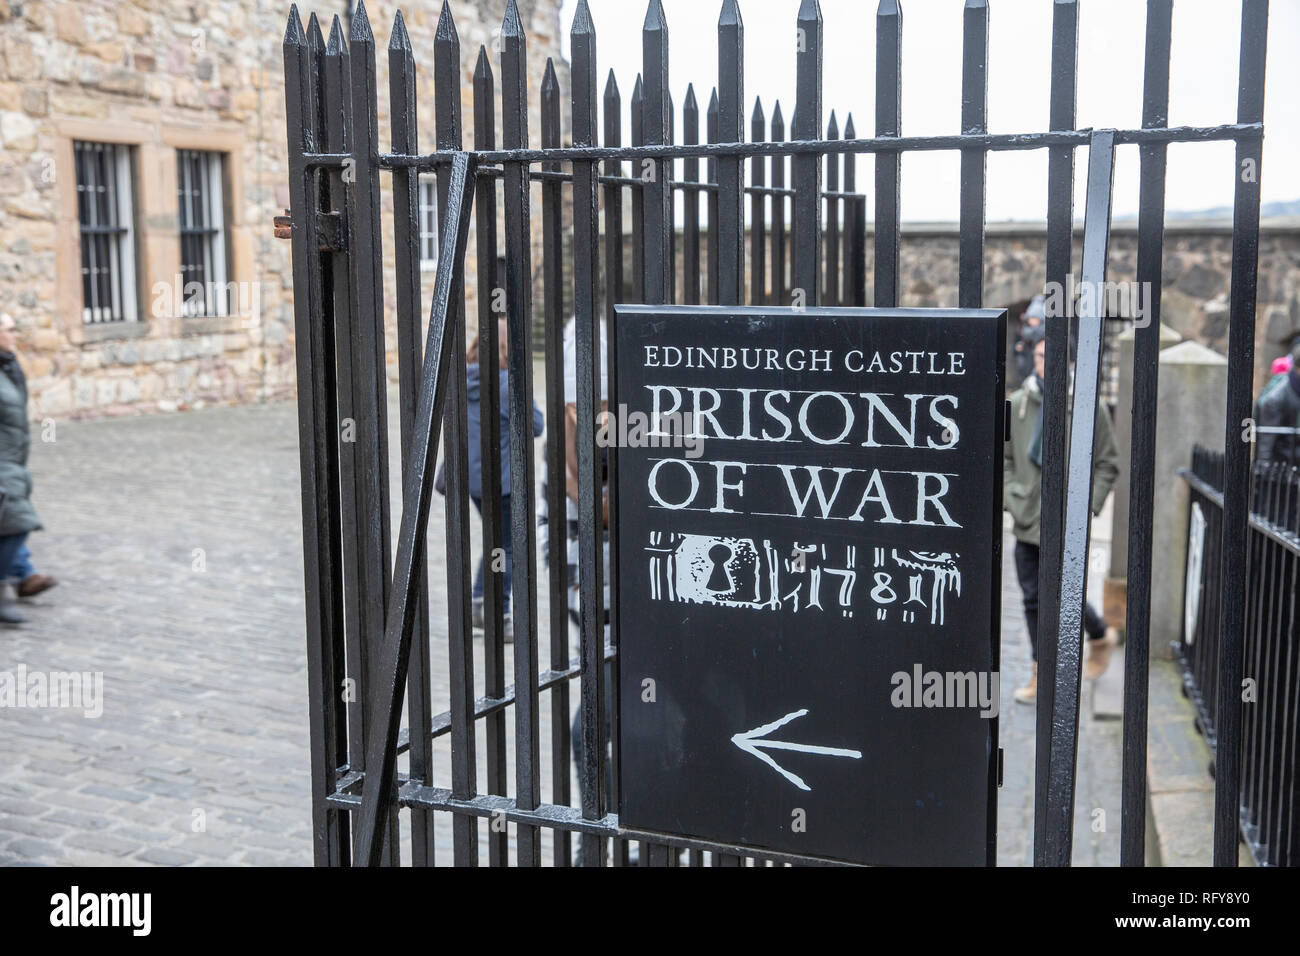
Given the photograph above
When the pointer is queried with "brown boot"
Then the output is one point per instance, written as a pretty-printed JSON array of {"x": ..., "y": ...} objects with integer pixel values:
[
  {"x": 1029, "y": 693},
  {"x": 34, "y": 584},
  {"x": 1099, "y": 652}
]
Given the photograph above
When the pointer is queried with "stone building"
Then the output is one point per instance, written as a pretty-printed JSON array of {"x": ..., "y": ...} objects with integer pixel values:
[
  {"x": 142, "y": 160},
  {"x": 142, "y": 156}
]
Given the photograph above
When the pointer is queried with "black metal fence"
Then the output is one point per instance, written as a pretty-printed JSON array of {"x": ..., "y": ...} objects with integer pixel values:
[
  {"x": 1270, "y": 808},
  {"x": 367, "y": 611}
]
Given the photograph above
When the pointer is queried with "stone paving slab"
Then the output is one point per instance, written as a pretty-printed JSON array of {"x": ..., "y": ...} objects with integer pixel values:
[{"x": 176, "y": 539}]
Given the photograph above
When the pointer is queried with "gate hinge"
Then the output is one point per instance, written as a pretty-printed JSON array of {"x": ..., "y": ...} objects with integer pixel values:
[{"x": 1001, "y": 754}]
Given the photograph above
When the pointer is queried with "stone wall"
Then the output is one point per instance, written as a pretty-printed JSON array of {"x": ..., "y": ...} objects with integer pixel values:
[
  {"x": 159, "y": 75},
  {"x": 1196, "y": 281}
]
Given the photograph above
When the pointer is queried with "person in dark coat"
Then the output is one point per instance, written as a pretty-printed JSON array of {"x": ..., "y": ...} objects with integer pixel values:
[
  {"x": 474, "y": 414},
  {"x": 18, "y": 517},
  {"x": 1279, "y": 407}
]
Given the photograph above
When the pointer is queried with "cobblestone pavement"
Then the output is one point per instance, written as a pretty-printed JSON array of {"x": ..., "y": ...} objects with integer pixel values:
[{"x": 176, "y": 542}]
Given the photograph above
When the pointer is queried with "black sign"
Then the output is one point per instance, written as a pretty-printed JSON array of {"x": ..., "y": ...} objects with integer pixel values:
[{"x": 809, "y": 555}]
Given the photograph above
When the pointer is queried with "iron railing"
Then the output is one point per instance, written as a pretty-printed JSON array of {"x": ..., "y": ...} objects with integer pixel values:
[
  {"x": 371, "y": 625},
  {"x": 1270, "y": 810}
]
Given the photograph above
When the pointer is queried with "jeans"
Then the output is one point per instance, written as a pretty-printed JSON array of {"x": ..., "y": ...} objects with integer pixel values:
[
  {"x": 504, "y": 518},
  {"x": 1027, "y": 572},
  {"x": 10, "y": 546},
  {"x": 22, "y": 564}
]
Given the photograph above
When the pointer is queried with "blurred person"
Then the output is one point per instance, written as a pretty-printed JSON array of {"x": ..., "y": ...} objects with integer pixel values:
[
  {"x": 1028, "y": 335},
  {"x": 1022, "y": 468},
  {"x": 474, "y": 414},
  {"x": 18, "y": 517},
  {"x": 1279, "y": 407}
]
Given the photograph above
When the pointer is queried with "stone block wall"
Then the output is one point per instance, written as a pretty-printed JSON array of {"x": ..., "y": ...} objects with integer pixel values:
[{"x": 162, "y": 75}]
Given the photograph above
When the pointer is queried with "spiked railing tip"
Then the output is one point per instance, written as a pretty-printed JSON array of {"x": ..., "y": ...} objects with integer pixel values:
[
  {"x": 833, "y": 127},
  {"x": 293, "y": 35},
  {"x": 713, "y": 101},
  {"x": 809, "y": 10},
  {"x": 654, "y": 17},
  {"x": 611, "y": 86},
  {"x": 550, "y": 83},
  {"x": 512, "y": 25},
  {"x": 888, "y": 8},
  {"x": 730, "y": 15},
  {"x": 446, "y": 32},
  {"x": 315, "y": 41},
  {"x": 483, "y": 66},
  {"x": 689, "y": 103},
  {"x": 361, "y": 32},
  {"x": 582, "y": 23},
  {"x": 758, "y": 107},
  {"x": 335, "y": 45},
  {"x": 849, "y": 131},
  {"x": 399, "y": 41}
]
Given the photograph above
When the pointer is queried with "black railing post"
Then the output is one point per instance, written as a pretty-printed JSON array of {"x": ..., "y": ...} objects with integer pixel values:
[
  {"x": 1236, "y": 451},
  {"x": 1060, "y": 212}
]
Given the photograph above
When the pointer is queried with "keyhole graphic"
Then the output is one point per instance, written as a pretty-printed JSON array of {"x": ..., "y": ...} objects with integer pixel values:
[{"x": 719, "y": 579}]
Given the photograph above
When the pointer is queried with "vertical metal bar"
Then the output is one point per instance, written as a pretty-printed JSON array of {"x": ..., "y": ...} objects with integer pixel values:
[
  {"x": 855, "y": 278},
  {"x": 406, "y": 267},
  {"x": 355, "y": 663},
  {"x": 806, "y": 168},
  {"x": 370, "y": 380},
  {"x": 691, "y": 195},
  {"x": 658, "y": 211},
  {"x": 455, "y": 428},
  {"x": 553, "y": 347},
  {"x": 1078, "y": 503},
  {"x": 378, "y": 794},
  {"x": 638, "y": 193},
  {"x": 974, "y": 119},
  {"x": 1146, "y": 358},
  {"x": 614, "y": 293},
  {"x": 758, "y": 212},
  {"x": 831, "y": 282},
  {"x": 1236, "y": 452},
  {"x": 670, "y": 171},
  {"x": 494, "y": 662},
  {"x": 778, "y": 211},
  {"x": 889, "y": 108},
  {"x": 711, "y": 132},
  {"x": 657, "y": 224},
  {"x": 591, "y": 522},
  {"x": 317, "y": 434},
  {"x": 519, "y": 306},
  {"x": 1060, "y": 212},
  {"x": 731, "y": 178},
  {"x": 613, "y": 130}
]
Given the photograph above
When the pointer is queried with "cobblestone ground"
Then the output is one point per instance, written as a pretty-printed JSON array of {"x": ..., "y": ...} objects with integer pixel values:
[{"x": 176, "y": 542}]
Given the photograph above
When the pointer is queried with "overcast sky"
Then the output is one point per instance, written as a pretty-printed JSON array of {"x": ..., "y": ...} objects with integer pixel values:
[{"x": 1203, "y": 86}]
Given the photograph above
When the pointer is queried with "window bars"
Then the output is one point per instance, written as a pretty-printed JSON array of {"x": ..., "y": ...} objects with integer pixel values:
[{"x": 106, "y": 216}]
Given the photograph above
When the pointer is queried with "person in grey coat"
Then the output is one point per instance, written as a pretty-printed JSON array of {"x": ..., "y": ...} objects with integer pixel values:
[{"x": 18, "y": 517}]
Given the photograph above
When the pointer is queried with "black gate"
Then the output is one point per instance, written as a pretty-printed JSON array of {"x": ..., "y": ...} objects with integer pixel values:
[{"x": 368, "y": 624}]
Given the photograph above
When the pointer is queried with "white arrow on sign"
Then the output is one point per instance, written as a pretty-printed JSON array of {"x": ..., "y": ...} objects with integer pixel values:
[{"x": 751, "y": 740}]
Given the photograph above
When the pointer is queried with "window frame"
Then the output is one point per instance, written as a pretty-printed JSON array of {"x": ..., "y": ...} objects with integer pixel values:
[
  {"x": 201, "y": 188},
  {"x": 113, "y": 221}
]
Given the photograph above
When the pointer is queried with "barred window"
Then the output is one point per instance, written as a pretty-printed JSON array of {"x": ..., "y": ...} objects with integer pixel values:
[
  {"x": 203, "y": 233},
  {"x": 106, "y": 214},
  {"x": 428, "y": 224}
]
